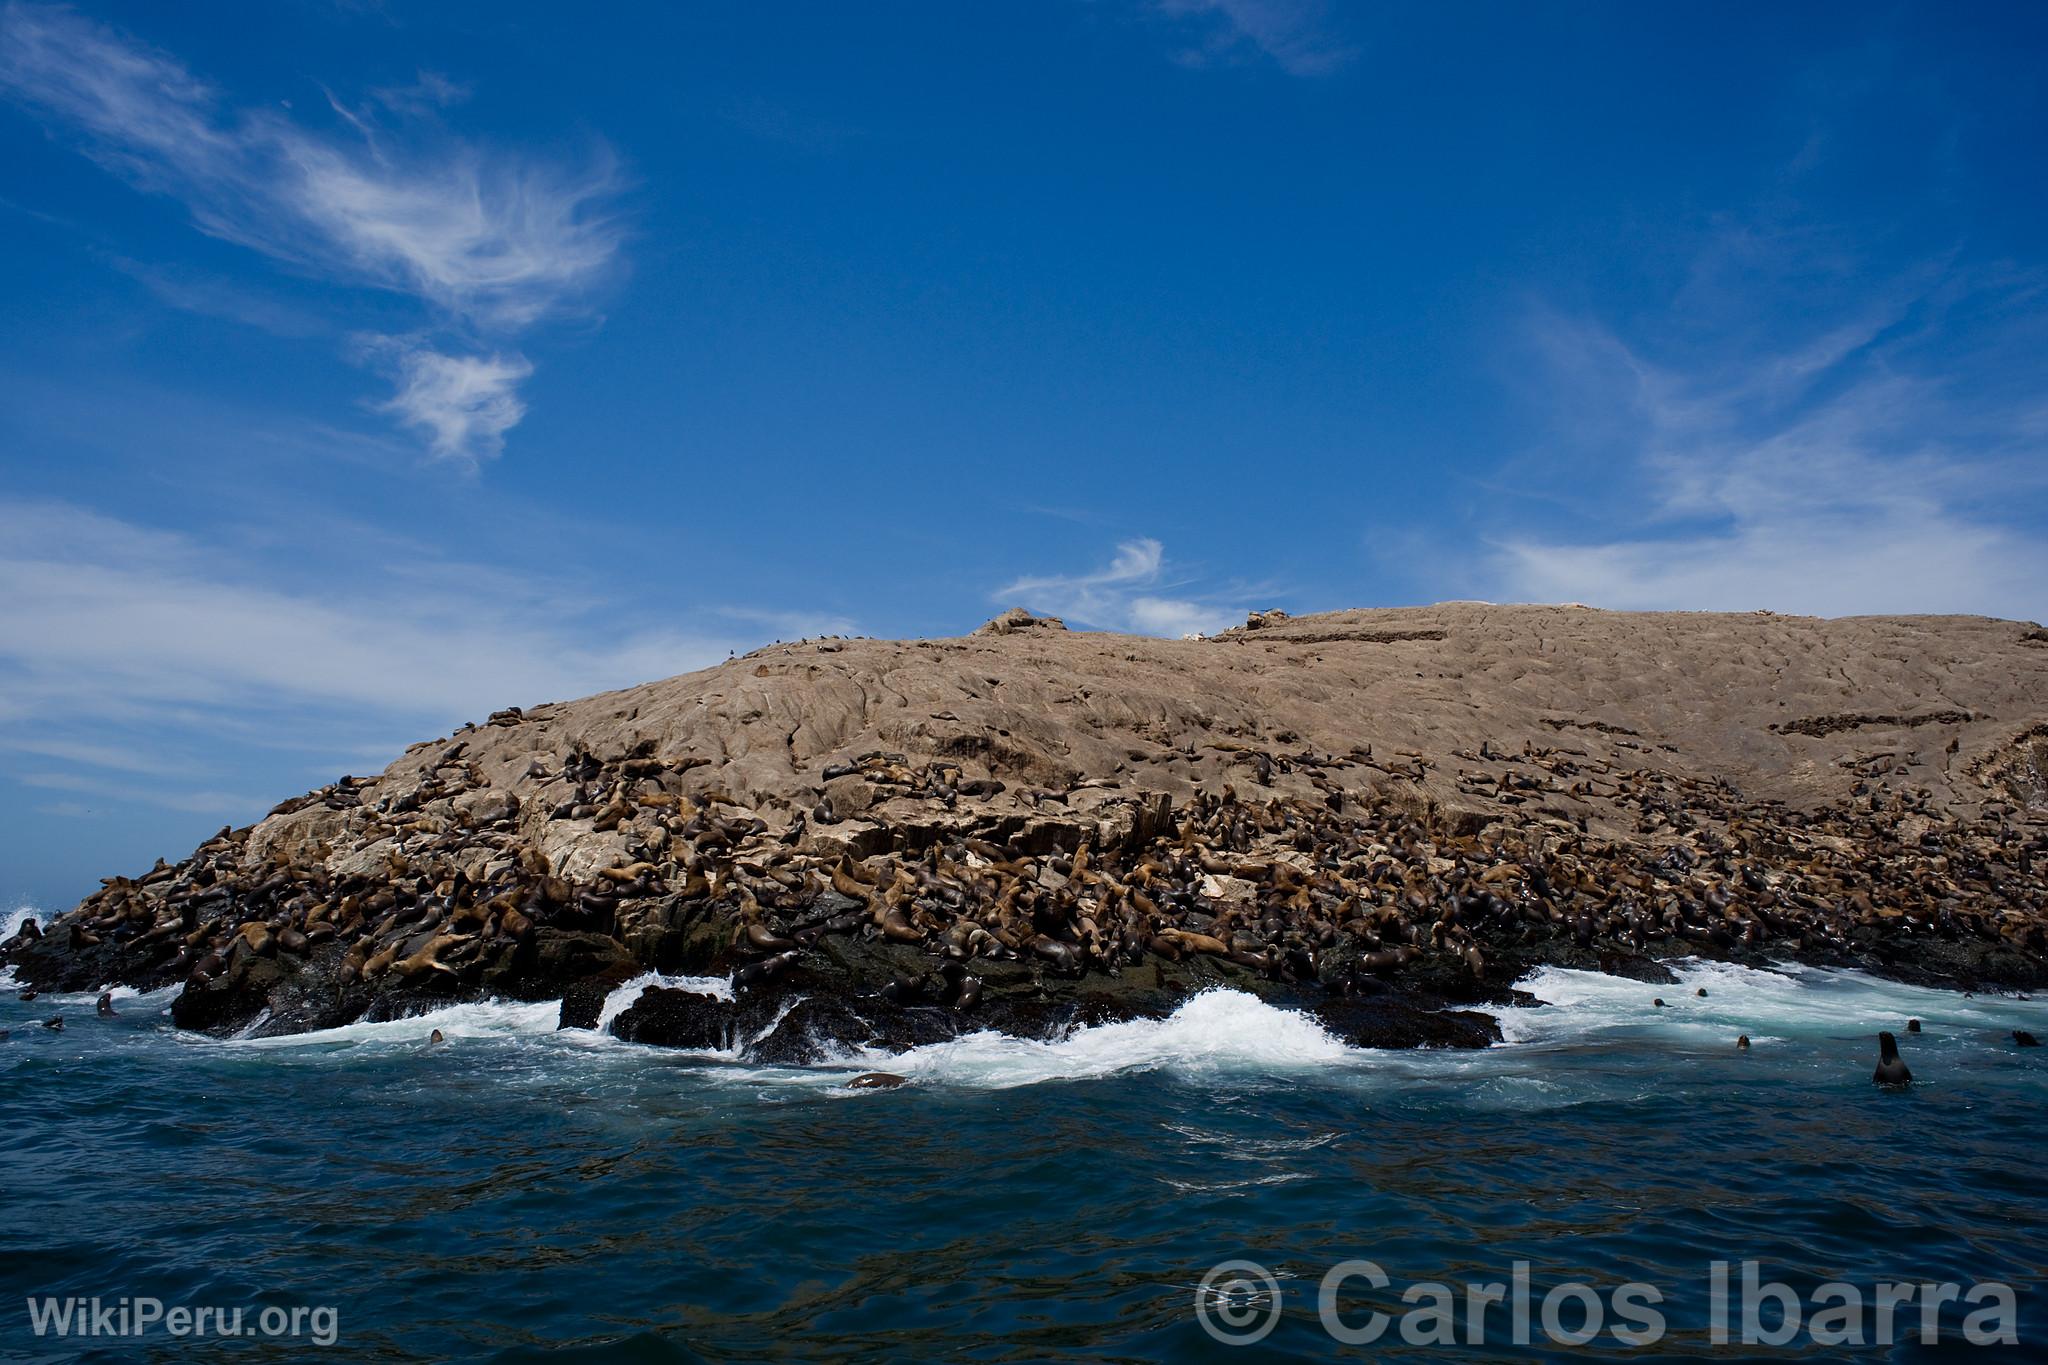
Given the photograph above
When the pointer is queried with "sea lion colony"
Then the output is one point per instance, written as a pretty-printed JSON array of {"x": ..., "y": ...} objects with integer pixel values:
[{"x": 1020, "y": 863}]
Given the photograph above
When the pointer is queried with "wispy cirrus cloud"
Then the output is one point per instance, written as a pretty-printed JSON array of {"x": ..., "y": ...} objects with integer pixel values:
[
  {"x": 1128, "y": 594},
  {"x": 1872, "y": 462},
  {"x": 491, "y": 242},
  {"x": 464, "y": 403},
  {"x": 143, "y": 666},
  {"x": 1293, "y": 34},
  {"x": 107, "y": 618}
]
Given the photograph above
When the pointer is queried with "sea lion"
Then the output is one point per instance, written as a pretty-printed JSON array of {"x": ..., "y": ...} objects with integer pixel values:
[
  {"x": 28, "y": 995},
  {"x": 55, "y": 1023},
  {"x": 1742, "y": 1043},
  {"x": 896, "y": 926},
  {"x": 969, "y": 995},
  {"x": 1064, "y": 956},
  {"x": 2022, "y": 1038},
  {"x": 876, "y": 1080},
  {"x": 1659, "y": 1003},
  {"x": 1701, "y": 992},
  {"x": 767, "y": 967},
  {"x": 105, "y": 1005},
  {"x": 763, "y": 939},
  {"x": 1891, "y": 1068},
  {"x": 436, "y": 1037},
  {"x": 1912, "y": 1026}
]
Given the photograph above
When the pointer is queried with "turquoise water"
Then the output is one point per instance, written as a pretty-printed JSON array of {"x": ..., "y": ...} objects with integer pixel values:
[{"x": 521, "y": 1194}]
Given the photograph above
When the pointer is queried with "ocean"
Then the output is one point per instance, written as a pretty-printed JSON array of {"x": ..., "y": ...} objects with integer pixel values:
[{"x": 516, "y": 1193}]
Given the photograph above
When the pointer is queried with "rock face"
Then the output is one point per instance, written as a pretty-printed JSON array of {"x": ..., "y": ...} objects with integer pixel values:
[{"x": 1372, "y": 814}]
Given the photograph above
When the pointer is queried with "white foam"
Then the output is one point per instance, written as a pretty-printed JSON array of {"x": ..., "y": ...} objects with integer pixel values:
[
  {"x": 485, "y": 1019},
  {"x": 1782, "y": 1003},
  {"x": 11, "y": 922},
  {"x": 623, "y": 997},
  {"x": 1217, "y": 1032},
  {"x": 10, "y": 925},
  {"x": 125, "y": 998}
]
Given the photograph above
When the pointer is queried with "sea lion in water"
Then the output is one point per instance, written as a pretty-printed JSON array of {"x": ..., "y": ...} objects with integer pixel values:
[
  {"x": 105, "y": 1005},
  {"x": 2022, "y": 1038},
  {"x": 1701, "y": 992},
  {"x": 55, "y": 1023},
  {"x": 1891, "y": 1068},
  {"x": 1742, "y": 1043},
  {"x": 1912, "y": 1026},
  {"x": 876, "y": 1080},
  {"x": 437, "y": 1037}
]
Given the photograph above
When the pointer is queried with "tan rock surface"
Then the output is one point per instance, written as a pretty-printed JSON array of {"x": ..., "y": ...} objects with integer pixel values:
[{"x": 1795, "y": 709}]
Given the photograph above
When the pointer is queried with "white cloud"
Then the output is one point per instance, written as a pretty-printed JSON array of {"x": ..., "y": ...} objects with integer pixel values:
[
  {"x": 112, "y": 623},
  {"x": 1293, "y": 34},
  {"x": 198, "y": 802},
  {"x": 465, "y": 404},
  {"x": 1123, "y": 596},
  {"x": 493, "y": 242},
  {"x": 1830, "y": 478}
]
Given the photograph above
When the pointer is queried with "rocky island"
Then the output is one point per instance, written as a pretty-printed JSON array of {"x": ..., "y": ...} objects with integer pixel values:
[{"x": 1386, "y": 817}]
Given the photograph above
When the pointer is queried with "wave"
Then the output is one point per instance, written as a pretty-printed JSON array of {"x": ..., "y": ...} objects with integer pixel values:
[
  {"x": 1224, "y": 1034},
  {"x": 1218, "y": 1032},
  {"x": 488, "y": 1019},
  {"x": 11, "y": 922},
  {"x": 10, "y": 925},
  {"x": 126, "y": 999},
  {"x": 1782, "y": 1003},
  {"x": 624, "y": 997}
]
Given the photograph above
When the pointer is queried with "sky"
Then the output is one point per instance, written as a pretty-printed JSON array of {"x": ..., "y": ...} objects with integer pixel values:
[{"x": 367, "y": 367}]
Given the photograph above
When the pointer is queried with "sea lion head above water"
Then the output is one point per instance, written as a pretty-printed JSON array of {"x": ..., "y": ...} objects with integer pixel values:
[{"x": 1891, "y": 1068}]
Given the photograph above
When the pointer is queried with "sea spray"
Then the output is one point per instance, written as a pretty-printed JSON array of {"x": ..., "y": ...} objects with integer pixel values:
[
  {"x": 1779, "y": 1003},
  {"x": 1218, "y": 1031}
]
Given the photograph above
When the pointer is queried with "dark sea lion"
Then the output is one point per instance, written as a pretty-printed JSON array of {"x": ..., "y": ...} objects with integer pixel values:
[
  {"x": 766, "y": 968},
  {"x": 1891, "y": 1068},
  {"x": 29, "y": 994},
  {"x": 1912, "y": 1026},
  {"x": 1659, "y": 1003},
  {"x": 764, "y": 939},
  {"x": 105, "y": 1005},
  {"x": 876, "y": 1080},
  {"x": 437, "y": 1037},
  {"x": 1742, "y": 1043},
  {"x": 2025, "y": 1039},
  {"x": 1701, "y": 992},
  {"x": 54, "y": 1023}
]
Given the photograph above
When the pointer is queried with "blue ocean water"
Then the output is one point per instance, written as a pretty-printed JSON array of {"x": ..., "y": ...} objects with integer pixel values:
[{"x": 519, "y": 1194}]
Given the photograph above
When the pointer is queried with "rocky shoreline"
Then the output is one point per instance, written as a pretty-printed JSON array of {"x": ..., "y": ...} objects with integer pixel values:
[{"x": 891, "y": 843}]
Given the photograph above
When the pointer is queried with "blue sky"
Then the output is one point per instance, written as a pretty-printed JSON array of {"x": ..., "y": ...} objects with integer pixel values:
[{"x": 366, "y": 367}]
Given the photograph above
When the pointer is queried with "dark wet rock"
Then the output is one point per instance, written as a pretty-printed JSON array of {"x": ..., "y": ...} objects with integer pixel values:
[
  {"x": 665, "y": 1017},
  {"x": 583, "y": 1001},
  {"x": 237, "y": 995},
  {"x": 1398, "y": 1023}
]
